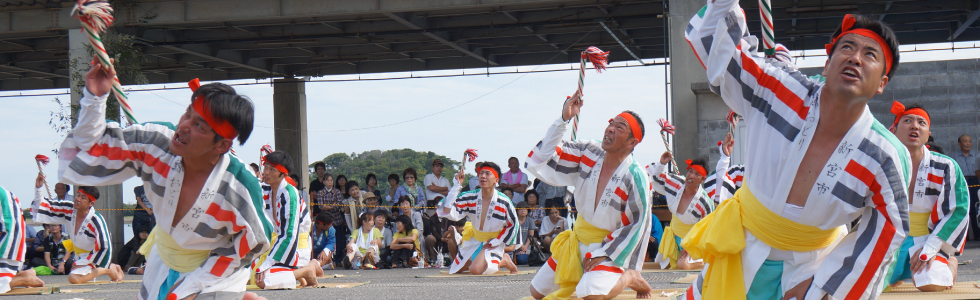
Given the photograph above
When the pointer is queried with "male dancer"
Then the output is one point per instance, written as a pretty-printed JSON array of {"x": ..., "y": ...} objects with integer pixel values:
[
  {"x": 939, "y": 204},
  {"x": 604, "y": 252},
  {"x": 727, "y": 178},
  {"x": 206, "y": 202},
  {"x": 289, "y": 258},
  {"x": 688, "y": 203},
  {"x": 816, "y": 160},
  {"x": 87, "y": 232},
  {"x": 12, "y": 247}
]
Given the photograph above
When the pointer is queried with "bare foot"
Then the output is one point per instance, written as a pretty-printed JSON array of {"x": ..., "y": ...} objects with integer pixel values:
[
  {"x": 116, "y": 273},
  {"x": 319, "y": 270},
  {"x": 307, "y": 275},
  {"x": 640, "y": 285},
  {"x": 26, "y": 278},
  {"x": 252, "y": 296}
]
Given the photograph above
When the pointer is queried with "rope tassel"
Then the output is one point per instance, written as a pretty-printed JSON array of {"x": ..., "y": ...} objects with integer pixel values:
[
  {"x": 43, "y": 160},
  {"x": 599, "y": 60},
  {"x": 96, "y": 17},
  {"x": 665, "y": 129}
]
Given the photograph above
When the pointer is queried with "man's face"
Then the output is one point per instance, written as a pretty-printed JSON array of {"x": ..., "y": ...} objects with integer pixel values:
[
  {"x": 857, "y": 67},
  {"x": 437, "y": 169},
  {"x": 193, "y": 137},
  {"x": 82, "y": 202},
  {"x": 618, "y": 135},
  {"x": 54, "y": 228},
  {"x": 513, "y": 164},
  {"x": 60, "y": 190},
  {"x": 322, "y": 227},
  {"x": 320, "y": 171},
  {"x": 487, "y": 179},
  {"x": 270, "y": 175},
  {"x": 693, "y": 178},
  {"x": 913, "y": 131},
  {"x": 379, "y": 222},
  {"x": 966, "y": 143}
]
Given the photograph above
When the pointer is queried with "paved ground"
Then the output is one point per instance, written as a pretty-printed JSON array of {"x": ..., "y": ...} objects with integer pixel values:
[{"x": 403, "y": 284}]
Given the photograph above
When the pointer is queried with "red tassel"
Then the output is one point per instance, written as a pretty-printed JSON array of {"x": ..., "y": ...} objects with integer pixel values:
[
  {"x": 598, "y": 58},
  {"x": 665, "y": 126},
  {"x": 470, "y": 154},
  {"x": 44, "y": 160}
]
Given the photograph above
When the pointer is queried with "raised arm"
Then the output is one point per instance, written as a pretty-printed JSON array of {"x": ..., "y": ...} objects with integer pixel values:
[
  {"x": 558, "y": 162},
  {"x": 49, "y": 211},
  {"x": 754, "y": 87},
  {"x": 620, "y": 245},
  {"x": 447, "y": 207},
  {"x": 949, "y": 219},
  {"x": 663, "y": 182}
]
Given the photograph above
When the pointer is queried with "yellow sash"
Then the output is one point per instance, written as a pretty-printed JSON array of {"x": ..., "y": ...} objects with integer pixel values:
[
  {"x": 565, "y": 252},
  {"x": 668, "y": 245},
  {"x": 719, "y": 240},
  {"x": 173, "y": 255},
  {"x": 483, "y": 236},
  {"x": 918, "y": 224},
  {"x": 70, "y": 247}
]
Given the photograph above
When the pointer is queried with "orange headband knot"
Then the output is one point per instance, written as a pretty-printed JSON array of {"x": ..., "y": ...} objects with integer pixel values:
[
  {"x": 899, "y": 110},
  {"x": 220, "y": 126},
  {"x": 845, "y": 29},
  {"x": 634, "y": 126},
  {"x": 697, "y": 168}
]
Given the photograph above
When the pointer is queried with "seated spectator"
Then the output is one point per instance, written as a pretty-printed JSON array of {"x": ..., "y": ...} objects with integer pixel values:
[
  {"x": 381, "y": 223},
  {"x": 404, "y": 243},
  {"x": 55, "y": 255},
  {"x": 452, "y": 237},
  {"x": 30, "y": 254},
  {"x": 324, "y": 240},
  {"x": 352, "y": 203},
  {"x": 656, "y": 231},
  {"x": 404, "y": 204},
  {"x": 526, "y": 233},
  {"x": 411, "y": 188},
  {"x": 370, "y": 203},
  {"x": 551, "y": 227},
  {"x": 389, "y": 194},
  {"x": 509, "y": 193},
  {"x": 255, "y": 170},
  {"x": 364, "y": 244},
  {"x": 534, "y": 211},
  {"x": 371, "y": 184},
  {"x": 38, "y": 247},
  {"x": 433, "y": 229},
  {"x": 129, "y": 256}
]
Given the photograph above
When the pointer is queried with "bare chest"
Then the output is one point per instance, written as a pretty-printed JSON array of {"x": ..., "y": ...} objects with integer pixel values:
[
  {"x": 817, "y": 155},
  {"x": 604, "y": 174},
  {"x": 189, "y": 192}
]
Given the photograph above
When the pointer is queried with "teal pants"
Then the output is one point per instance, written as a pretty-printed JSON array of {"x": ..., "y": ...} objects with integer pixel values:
[{"x": 767, "y": 284}]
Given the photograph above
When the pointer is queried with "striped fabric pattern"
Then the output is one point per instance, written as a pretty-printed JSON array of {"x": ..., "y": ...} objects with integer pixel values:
[
  {"x": 92, "y": 236},
  {"x": 501, "y": 217},
  {"x": 11, "y": 227},
  {"x": 225, "y": 219},
  {"x": 672, "y": 187},
  {"x": 725, "y": 181},
  {"x": 623, "y": 207},
  {"x": 866, "y": 176},
  {"x": 293, "y": 219},
  {"x": 941, "y": 190}
]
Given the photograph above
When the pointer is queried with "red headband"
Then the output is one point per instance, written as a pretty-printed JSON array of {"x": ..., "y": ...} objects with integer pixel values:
[
  {"x": 699, "y": 169},
  {"x": 90, "y": 198},
  {"x": 495, "y": 175},
  {"x": 282, "y": 170},
  {"x": 899, "y": 110},
  {"x": 220, "y": 126},
  {"x": 846, "y": 28},
  {"x": 634, "y": 126}
]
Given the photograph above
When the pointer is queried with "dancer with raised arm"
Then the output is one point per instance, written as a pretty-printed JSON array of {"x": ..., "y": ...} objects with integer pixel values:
[{"x": 688, "y": 204}]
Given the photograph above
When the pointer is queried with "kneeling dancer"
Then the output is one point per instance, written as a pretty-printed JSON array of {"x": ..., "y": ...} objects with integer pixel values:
[
  {"x": 289, "y": 258},
  {"x": 12, "y": 246}
]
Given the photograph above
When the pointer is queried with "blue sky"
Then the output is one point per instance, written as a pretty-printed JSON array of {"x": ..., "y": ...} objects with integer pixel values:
[{"x": 513, "y": 113}]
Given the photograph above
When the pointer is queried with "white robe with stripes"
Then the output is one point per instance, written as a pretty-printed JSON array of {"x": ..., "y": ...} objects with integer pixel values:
[
  {"x": 672, "y": 187},
  {"x": 623, "y": 207},
  {"x": 727, "y": 179},
  {"x": 92, "y": 236},
  {"x": 291, "y": 221},
  {"x": 500, "y": 216},
  {"x": 12, "y": 231},
  {"x": 226, "y": 219},
  {"x": 865, "y": 177}
]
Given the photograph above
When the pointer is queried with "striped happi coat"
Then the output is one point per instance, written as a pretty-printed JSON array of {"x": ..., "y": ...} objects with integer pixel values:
[
  {"x": 866, "y": 176},
  {"x": 292, "y": 220},
  {"x": 726, "y": 180},
  {"x": 11, "y": 228},
  {"x": 941, "y": 190},
  {"x": 92, "y": 236},
  {"x": 500, "y": 216},
  {"x": 672, "y": 186},
  {"x": 623, "y": 207},
  {"x": 226, "y": 219}
]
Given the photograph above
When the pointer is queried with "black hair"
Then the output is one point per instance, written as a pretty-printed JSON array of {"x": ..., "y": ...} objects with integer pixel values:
[
  {"x": 225, "y": 104},
  {"x": 369, "y": 176},
  {"x": 514, "y": 158},
  {"x": 643, "y": 129},
  {"x": 296, "y": 180},
  {"x": 522, "y": 205},
  {"x": 410, "y": 171},
  {"x": 406, "y": 223},
  {"x": 960, "y": 139},
  {"x": 404, "y": 198},
  {"x": 91, "y": 190},
  {"x": 325, "y": 218},
  {"x": 363, "y": 218},
  {"x": 878, "y": 27},
  {"x": 336, "y": 184},
  {"x": 919, "y": 106},
  {"x": 67, "y": 187},
  {"x": 532, "y": 192},
  {"x": 350, "y": 184},
  {"x": 319, "y": 164},
  {"x": 255, "y": 167},
  {"x": 395, "y": 177},
  {"x": 700, "y": 161},
  {"x": 507, "y": 189},
  {"x": 493, "y": 166},
  {"x": 281, "y": 158},
  {"x": 382, "y": 213}
]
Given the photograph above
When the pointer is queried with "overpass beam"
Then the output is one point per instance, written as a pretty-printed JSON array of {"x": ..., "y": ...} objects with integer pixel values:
[{"x": 289, "y": 102}]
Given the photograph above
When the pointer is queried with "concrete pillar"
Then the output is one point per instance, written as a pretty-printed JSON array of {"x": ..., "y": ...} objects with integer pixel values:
[
  {"x": 289, "y": 101},
  {"x": 684, "y": 71},
  {"x": 110, "y": 196}
]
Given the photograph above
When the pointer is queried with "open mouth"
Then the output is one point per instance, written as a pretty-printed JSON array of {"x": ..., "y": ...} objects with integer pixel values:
[
  {"x": 851, "y": 73},
  {"x": 606, "y": 139},
  {"x": 914, "y": 135},
  {"x": 179, "y": 140}
]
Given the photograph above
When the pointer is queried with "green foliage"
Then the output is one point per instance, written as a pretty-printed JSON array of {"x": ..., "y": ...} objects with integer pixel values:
[{"x": 357, "y": 166}]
